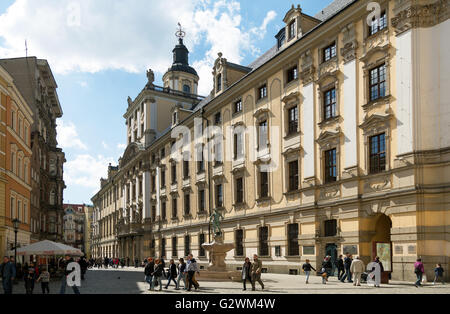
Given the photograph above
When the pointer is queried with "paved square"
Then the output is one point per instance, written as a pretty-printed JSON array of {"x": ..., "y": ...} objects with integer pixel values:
[{"x": 131, "y": 281}]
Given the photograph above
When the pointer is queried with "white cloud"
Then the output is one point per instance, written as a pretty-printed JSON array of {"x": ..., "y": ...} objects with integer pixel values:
[
  {"x": 121, "y": 146},
  {"x": 86, "y": 170},
  {"x": 68, "y": 136},
  {"x": 133, "y": 35},
  {"x": 105, "y": 146}
]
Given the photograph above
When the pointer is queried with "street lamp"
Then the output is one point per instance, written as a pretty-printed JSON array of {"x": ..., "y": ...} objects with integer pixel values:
[{"x": 16, "y": 225}]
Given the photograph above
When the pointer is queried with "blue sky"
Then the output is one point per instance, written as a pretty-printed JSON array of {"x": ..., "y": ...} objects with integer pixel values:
[{"x": 99, "y": 51}]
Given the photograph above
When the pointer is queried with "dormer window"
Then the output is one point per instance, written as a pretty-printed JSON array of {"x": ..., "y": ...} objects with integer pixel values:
[
  {"x": 329, "y": 52},
  {"x": 292, "y": 30},
  {"x": 281, "y": 38},
  {"x": 219, "y": 82},
  {"x": 378, "y": 24}
]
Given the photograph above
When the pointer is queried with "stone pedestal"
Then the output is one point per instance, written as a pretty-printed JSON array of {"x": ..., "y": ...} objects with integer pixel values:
[{"x": 217, "y": 269}]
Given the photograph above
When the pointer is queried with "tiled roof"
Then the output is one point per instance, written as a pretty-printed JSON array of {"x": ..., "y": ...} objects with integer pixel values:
[
  {"x": 264, "y": 58},
  {"x": 332, "y": 9}
]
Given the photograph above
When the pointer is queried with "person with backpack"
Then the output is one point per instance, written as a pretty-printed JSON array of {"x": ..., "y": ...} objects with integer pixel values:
[
  {"x": 172, "y": 274},
  {"x": 439, "y": 274},
  {"x": 419, "y": 270},
  {"x": 307, "y": 267}
]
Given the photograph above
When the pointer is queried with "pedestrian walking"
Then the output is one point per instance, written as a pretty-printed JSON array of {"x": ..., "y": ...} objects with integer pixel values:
[
  {"x": 191, "y": 269},
  {"x": 439, "y": 274},
  {"x": 44, "y": 279},
  {"x": 65, "y": 263},
  {"x": 419, "y": 270},
  {"x": 307, "y": 267},
  {"x": 157, "y": 275},
  {"x": 347, "y": 263},
  {"x": 172, "y": 274},
  {"x": 8, "y": 273},
  {"x": 29, "y": 278},
  {"x": 128, "y": 262},
  {"x": 136, "y": 263},
  {"x": 326, "y": 269},
  {"x": 181, "y": 274},
  {"x": 148, "y": 271},
  {"x": 83, "y": 267},
  {"x": 247, "y": 273},
  {"x": 341, "y": 267},
  {"x": 357, "y": 268},
  {"x": 256, "y": 272}
]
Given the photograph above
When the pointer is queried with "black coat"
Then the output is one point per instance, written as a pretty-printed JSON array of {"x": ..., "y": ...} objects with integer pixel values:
[
  {"x": 340, "y": 263},
  {"x": 158, "y": 271},
  {"x": 149, "y": 268},
  {"x": 173, "y": 270}
]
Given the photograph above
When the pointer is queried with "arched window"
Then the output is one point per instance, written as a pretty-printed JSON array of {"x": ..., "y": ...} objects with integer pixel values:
[
  {"x": 186, "y": 89},
  {"x": 52, "y": 197}
]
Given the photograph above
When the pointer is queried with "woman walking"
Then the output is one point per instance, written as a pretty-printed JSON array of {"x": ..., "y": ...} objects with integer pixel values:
[
  {"x": 307, "y": 269},
  {"x": 181, "y": 274},
  {"x": 172, "y": 274},
  {"x": 419, "y": 270},
  {"x": 157, "y": 275},
  {"x": 247, "y": 273}
]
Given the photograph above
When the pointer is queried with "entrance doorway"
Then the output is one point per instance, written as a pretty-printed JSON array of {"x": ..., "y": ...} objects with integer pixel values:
[
  {"x": 331, "y": 250},
  {"x": 382, "y": 245}
]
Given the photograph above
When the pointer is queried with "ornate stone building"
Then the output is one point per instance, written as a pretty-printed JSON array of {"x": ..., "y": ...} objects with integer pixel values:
[
  {"x": 34, "y": 79},
  {"x": 350, "y": 152}
]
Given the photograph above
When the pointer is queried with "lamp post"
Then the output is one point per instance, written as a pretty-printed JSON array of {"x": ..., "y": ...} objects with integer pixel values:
[{"x": 16, "y": 225}]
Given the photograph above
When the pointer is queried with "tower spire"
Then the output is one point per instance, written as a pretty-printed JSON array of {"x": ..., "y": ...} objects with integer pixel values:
[{"x": 180, "y": 33}]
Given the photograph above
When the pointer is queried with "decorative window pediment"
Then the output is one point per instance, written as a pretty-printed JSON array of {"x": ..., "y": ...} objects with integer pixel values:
[
  {"x": 292, "y": 97},
  {"x": 376, "y": 123},
  {"x": 329, "y": 138},
  {"x": 262, "y": 113}
]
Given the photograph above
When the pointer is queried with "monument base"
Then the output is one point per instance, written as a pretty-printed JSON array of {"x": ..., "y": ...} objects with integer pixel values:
[{"x": 219, "y": 276}]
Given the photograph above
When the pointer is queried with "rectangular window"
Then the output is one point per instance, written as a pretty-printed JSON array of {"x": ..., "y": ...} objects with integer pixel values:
[
  {"x": 329, "y": 104},
  {"x": 153, "y": 184},
  {"x": 219, "y": 196},
  {"x": 239, "y": 190},
  {"x": 238, "y": 106},
  {"x": 329, "y": 52},
  {"x": 218, "y": 156},
  {"x": 163, "y": 247},
  {"x": 174, "y": 247},
  {"x": 293, "y": 176},
  {"x": 262, "y": 92},
  {"x": 153, "y": 213},
  {"x": 13, "y": 210},
  {"x": 219, "y": 82},
  {"x": 292, "y": 30},
  {"x": 264, "y": 184},
  {"x": 13, "y": 120},
  {"x": 238, "y": 146},
  {"x": 293, "y": 120},
  {"x": 264, "y": 241},
  {"x": 163, "y": 153},
  {"x": 200, "y": 159},
  {"x": 239, "y": 239},
  {"x": 378, "y": 24},
  {"x": 174, "y": 208},
  {"x": 330, "y": 166},
  {"x": 174, "y": 173},
  {"x": 187, "y": 204},
  {"x": 218, "y": 118},
  {"x": 293, "y": 247},
  {"x": 186, "y": 169},
  {"x": 292, "y": 74},
  {"x": 164, "y": 210},
  {"x": 378, "y": 153},
  {"x": 263, "y": 135},
  {"x": 163, "y": 179},
  {"x": 187, "y": 245},
  {"x": 201, "y": 201},
  {"x": 378, "y": 82},
  {"x": 201, "y": 240},
  {"x": 281, "y": 39},
  {"x": 331, "y": 228}
]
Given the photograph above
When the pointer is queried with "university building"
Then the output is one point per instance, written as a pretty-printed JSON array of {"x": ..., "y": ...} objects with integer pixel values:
[{"x": 350, "y": 151}]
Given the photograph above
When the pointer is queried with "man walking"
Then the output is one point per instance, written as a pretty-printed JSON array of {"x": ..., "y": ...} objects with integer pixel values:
[
  {"x": 8, "y": 273},
  {"x": 357, "y": 268},
  {"x": 340, "y": 266},
  {"x": 347, "y": 264},
  {"x": 191, "y": 269},
  {"x": 256, "y": 272}
]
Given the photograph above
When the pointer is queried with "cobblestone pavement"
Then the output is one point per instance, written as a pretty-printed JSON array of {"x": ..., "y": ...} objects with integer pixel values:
[{"x": 131, "y": 281}]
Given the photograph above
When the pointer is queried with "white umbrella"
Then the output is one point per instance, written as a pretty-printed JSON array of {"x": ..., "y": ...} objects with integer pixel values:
[{"x": 48, "y": 248}]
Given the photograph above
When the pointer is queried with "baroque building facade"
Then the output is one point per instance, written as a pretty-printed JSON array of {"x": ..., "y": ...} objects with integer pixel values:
[
  {"x": 15, "y": 164},
  {"x": 348, "y": 151},
  {"x": 34, "y": 79}
]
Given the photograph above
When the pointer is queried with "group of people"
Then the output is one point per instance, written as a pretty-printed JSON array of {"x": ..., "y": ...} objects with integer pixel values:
[
  {"x": 113, "y": 262},
  {"x": 185, "y": 271}
]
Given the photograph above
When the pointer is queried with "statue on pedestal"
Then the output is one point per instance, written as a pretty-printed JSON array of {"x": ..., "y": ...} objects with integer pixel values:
[{"x": 216, "y": 219}]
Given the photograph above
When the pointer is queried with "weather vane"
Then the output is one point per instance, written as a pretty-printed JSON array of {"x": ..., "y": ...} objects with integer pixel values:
[{"x": 180, "y": 33}]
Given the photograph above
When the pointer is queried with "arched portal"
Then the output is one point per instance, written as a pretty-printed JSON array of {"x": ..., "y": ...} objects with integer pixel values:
[{"x": 382, "y": 245}]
